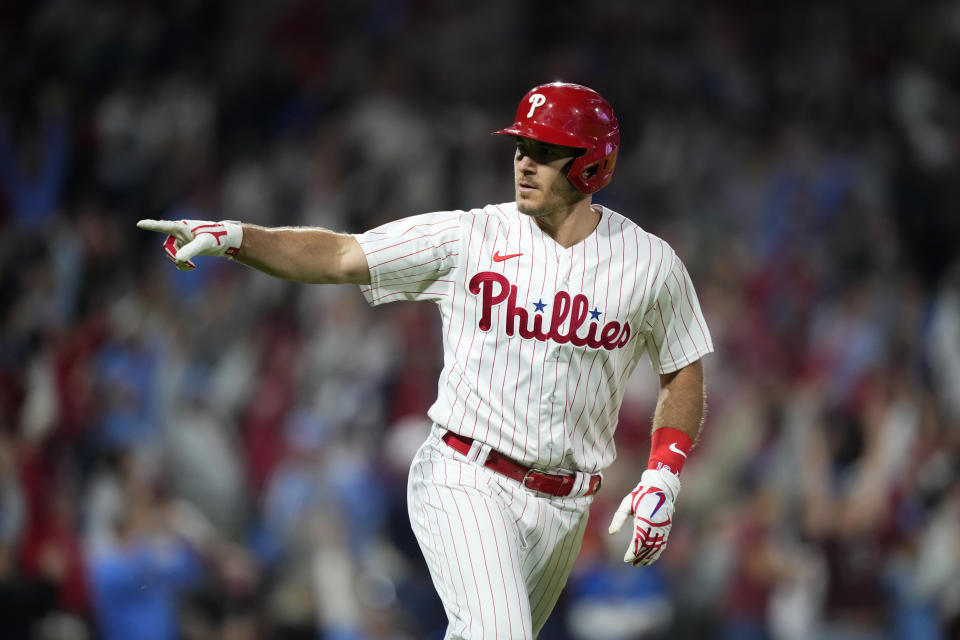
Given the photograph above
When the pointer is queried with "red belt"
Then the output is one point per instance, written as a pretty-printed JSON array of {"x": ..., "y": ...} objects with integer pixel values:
[{"x": 555, "y": 484}]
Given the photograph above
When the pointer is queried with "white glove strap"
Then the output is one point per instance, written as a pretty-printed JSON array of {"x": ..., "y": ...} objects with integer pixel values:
[
  {"x": 665, "y": 480},
  {"x": 234, "y": 237}
]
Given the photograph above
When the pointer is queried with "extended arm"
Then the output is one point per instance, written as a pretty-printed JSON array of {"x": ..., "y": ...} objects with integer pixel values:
[{"x": 302, "y": 254}]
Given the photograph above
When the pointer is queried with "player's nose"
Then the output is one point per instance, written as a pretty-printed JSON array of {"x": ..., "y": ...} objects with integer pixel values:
[{"x": 526, "y": 164}]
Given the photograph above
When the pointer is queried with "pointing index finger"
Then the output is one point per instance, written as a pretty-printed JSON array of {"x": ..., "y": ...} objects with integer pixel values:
[{"x": 161, "y": 226}]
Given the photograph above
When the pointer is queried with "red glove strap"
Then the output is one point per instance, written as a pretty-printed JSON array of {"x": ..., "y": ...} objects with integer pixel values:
[{"x": 669, "y": 449}]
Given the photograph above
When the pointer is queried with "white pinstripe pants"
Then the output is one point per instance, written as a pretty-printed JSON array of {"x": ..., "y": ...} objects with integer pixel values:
[{"x": 499, "y": 554}]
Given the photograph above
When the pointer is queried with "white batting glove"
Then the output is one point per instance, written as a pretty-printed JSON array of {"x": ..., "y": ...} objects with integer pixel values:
[
  {"x": 651, "y": 505},
  {"x": 187, "y": 239}
]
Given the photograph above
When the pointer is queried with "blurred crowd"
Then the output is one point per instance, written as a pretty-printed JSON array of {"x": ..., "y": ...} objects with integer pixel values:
[{"x": 217, "y": 454}]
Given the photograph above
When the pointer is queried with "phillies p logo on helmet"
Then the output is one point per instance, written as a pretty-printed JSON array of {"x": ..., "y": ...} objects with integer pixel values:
[{"x": 536, "y": 100}]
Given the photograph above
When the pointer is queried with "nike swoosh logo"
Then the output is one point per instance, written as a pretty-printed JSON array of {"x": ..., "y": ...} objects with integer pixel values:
[
  {"x": 499, "y": 258},
  {"x": 673, "y": 447},
  {"x": 663, "y": 498}
]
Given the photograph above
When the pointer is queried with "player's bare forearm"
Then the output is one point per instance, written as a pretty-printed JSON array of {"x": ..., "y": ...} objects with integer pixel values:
[
  {"x": 681, "y": 402},
  {"x": 304, "y": 254}
]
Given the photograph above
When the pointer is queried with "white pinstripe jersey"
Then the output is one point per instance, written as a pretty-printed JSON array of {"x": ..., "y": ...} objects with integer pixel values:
[{"x": 539, "y": 339}]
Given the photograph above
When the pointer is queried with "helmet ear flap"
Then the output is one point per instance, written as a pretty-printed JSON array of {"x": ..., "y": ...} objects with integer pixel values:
[{"x": 590, "y": 173}]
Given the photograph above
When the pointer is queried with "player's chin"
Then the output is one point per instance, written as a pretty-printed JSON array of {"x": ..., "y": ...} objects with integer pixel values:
[{"x": 528, "y": 205}]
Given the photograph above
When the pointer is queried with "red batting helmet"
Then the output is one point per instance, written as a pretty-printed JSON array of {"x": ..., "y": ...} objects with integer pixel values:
[{"x": 572, "y": 115}]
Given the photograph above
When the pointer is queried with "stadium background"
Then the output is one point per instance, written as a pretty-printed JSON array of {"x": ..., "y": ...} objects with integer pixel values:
[{"x": 802, "y": 157}]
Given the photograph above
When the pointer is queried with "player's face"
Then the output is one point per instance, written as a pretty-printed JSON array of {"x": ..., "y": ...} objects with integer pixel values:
[{"x": 540, "y": 176}]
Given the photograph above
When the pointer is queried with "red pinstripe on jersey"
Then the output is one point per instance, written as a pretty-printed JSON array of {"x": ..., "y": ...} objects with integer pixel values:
[{"x": 414, "y": 239}]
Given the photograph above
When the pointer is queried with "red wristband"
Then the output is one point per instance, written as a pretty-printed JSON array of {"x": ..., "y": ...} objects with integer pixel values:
[{"x": 669, "y": 449}]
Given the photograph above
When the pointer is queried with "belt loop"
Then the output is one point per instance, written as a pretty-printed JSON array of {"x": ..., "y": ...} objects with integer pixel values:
[
  {"x": 581, "y": 484},
  {"x": 478, "y": 452}
]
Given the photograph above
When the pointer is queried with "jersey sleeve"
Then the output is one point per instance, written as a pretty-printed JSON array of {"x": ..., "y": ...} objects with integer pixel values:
[
  {"x": 411, "y": 258},
  {"x": 677, "y": 332}
]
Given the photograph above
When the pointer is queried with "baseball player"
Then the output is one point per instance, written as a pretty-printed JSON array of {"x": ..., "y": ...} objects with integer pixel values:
[{"x": 548, "y": 304}]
